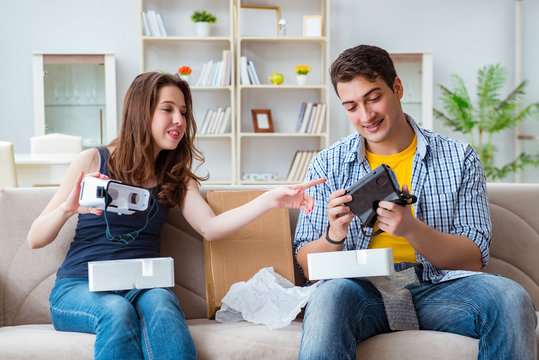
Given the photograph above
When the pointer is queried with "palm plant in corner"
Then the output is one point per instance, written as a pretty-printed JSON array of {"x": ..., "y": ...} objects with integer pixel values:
[{"x": 488, "y": 116}]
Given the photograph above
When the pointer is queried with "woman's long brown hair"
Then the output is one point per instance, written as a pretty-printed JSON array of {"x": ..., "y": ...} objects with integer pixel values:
[{"x": 132, "y": 160}]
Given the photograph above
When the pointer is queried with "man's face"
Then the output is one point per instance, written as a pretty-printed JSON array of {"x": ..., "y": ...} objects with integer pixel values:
[{"x": 375, "y": 112}]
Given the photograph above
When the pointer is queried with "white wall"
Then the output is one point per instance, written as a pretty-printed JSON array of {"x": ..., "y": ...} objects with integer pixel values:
[
  {"x": 64, "y": 26},
  {"x": 463, "y": 35}
]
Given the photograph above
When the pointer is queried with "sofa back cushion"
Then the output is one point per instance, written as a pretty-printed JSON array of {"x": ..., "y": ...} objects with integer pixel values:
[
  {"x": 27, "y": 276},
  {"x": 514, "y": 251}
]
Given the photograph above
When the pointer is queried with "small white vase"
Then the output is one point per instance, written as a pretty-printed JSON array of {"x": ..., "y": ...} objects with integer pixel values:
[
  {"x": 301, "y": 79},
  {"x": 186, "y": 78},
  {"x": 203, "y": 28}
]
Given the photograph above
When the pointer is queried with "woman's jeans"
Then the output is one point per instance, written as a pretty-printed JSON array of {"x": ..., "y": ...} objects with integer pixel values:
[
  {"x": 493, "y": 309},
  {"x": 129, "y": 324}
]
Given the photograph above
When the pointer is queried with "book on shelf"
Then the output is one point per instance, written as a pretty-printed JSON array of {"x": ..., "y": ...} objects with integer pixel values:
[
  {"x": 294, "y": 166},
  {"x": 216, "y": 72},
  {"x": 300, "y": 165},
  {"x": 244, "y": 72},
  {"x": 306, "y": 116},
  {"x": 321, "y": 119},
  {"x": 300, "y": 116},
  {"x": 216, "y": 124},
  {"x": 161, "y": 23},
  {"x": 311, "y": 118},
  {"x": 205, "y": 122},
  {"x": 304, "y": 166},
  {"x": 253, "y": 75},
  {"x": 153, "y": 24},
  {"x": 226, "y": 68},
  {"x": 145, "y": 25},
  {"x": 215, "y": 121},
  {"x": 226, "y": 120}
]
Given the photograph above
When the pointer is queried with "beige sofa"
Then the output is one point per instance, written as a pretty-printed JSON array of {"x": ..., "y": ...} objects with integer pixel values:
[{"x": 27, "y": 276}]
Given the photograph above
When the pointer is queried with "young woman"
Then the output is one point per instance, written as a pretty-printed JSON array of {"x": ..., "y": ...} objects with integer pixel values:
[{"x": 154, "y": 150}]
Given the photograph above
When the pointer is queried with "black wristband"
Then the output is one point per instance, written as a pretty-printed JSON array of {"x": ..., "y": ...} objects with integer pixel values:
[{"x": 333, "y": 241}]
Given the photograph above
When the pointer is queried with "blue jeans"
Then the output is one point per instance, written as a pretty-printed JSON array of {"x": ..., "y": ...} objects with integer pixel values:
[
  {"x": 491, "y": 308},
  {"x": 129, "y": 324}
]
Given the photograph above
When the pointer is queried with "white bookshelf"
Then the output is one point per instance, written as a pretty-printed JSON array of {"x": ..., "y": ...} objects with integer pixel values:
[
  {"x": 184, "y": 48},
  {"x": 240, "y": 149},
  {"x": 273, "y": 153}
]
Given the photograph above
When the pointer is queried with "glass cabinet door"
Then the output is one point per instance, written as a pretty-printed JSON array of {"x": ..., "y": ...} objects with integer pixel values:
[{"x": 76, "y": 95}]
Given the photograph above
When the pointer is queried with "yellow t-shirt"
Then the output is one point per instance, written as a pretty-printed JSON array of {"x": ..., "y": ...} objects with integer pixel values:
[{"x": 401, "y": 164}]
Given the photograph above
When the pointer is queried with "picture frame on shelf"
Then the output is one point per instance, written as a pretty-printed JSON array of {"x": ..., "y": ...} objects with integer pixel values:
[
  {"x": 312, "y": 26},
  {"x": 262, "y": 121},
  {"x": 262, "y": 21}
]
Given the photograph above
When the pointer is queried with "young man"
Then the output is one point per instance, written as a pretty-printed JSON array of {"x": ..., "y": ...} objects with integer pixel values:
[{"x": 439, "y": 244}]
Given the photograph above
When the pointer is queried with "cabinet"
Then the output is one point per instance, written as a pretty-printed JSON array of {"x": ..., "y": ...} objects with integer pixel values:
[
  {"x": 75, "y": 94},
  {"x": 182, "y": 47},
  {"x": 415, "y": 72},
  {"x": 269, "y": 155}
]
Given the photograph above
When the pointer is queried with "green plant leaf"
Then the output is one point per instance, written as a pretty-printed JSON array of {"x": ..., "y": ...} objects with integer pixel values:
[
  {"x": 488, "y": 116},
  {"x": 523, "y": 160}
]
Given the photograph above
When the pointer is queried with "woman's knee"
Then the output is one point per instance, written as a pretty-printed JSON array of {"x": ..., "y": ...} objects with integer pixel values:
[{"x": 117, "y": 311}]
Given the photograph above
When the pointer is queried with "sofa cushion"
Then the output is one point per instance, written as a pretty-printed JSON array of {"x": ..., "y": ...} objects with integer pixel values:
[
  {"x": 42, "y": 342},
  {"x": 241, "y": 340}
]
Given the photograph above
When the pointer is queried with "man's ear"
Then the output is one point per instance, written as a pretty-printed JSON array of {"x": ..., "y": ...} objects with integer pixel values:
[{"x": 397, "y": 88}]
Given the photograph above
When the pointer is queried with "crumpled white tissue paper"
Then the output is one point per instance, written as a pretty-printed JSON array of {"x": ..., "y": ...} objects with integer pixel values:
[{"x": 267, "y": 298}]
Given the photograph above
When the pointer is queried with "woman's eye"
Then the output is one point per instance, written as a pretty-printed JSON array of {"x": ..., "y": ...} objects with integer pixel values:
[{"x": 167, "y": 109}]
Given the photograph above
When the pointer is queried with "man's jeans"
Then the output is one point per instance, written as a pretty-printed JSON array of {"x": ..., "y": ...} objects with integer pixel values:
[
  {"x": 134, "y": 324},
  {"x": 491, "y": 308}
]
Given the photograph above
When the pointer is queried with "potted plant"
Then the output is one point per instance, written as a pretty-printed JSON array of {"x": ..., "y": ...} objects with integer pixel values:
[
  {"x": 203, "y": 19},
  {"x": 488, "y": 116},
  {"x": 185, "y": 72},
  {"x": 301, "y": 73}
]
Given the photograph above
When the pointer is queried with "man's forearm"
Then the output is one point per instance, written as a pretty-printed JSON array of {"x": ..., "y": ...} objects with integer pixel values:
[{"x": 445, "y": 251}]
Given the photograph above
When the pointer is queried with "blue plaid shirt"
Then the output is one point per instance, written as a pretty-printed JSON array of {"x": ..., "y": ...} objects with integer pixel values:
[{"x": 447, "y": 178}]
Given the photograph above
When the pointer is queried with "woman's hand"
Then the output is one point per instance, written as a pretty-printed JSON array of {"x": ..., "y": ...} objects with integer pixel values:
[
  {"x": 71, "y": 204},
  {"x": 294, "y": 196}
]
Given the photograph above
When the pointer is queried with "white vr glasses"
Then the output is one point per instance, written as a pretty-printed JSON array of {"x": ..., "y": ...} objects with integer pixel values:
[{"x": 112, "y": 195}]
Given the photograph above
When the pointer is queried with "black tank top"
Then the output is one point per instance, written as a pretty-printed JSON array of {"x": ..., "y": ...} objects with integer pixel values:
[{"x": 91, "y": 244}]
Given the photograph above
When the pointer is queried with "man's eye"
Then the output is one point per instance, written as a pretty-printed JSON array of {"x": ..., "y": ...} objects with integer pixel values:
[
  {"x": 351, "y": 108},
  {"x": 373, "y": 99}
]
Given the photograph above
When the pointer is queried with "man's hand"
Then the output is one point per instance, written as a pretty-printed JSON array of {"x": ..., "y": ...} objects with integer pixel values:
[
  {"x": 394, "y": 219},
  {"x": 339, "y": 215}
]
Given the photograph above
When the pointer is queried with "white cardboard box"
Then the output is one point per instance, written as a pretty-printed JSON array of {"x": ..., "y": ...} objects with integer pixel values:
[
  {"x": 350, "y": 264},
  {"x": 131, "y": 274}
]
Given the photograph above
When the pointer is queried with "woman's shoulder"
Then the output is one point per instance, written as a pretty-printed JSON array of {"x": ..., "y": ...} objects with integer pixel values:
[{"x": 88, "y": 160}]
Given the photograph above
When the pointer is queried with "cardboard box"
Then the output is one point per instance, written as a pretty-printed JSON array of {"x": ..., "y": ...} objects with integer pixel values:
[
  {"x": 239, "y": 256},
  {"x": 350, "y": 264},
  {"x": 131, "y": 274}
]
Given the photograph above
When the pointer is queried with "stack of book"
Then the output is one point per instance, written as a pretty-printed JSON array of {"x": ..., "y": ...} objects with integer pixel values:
[
  {"x": 300, "y": 164},
  {"x": 311, "y": 119},
  {"x": 216, "y": 73},
  {"x": 153, "y": 24},
  {"x": 215, "y": 121},
  {"x": 248, "y": 72}
]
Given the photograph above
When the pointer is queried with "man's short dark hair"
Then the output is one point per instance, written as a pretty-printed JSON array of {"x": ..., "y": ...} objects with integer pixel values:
[{"x": 363, "y": 60}]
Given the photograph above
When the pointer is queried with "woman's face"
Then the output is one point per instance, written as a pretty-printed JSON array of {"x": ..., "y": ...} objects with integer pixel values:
[{"x": 168, "y": 120}]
